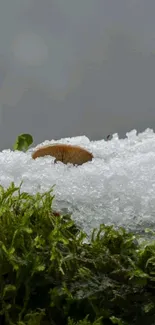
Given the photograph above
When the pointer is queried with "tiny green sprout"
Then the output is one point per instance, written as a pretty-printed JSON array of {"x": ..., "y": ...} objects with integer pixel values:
[{"x": 23, "y": 141}]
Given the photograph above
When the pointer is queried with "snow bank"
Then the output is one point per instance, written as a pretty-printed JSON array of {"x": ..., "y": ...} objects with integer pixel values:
[{"x": 117, "y": 187}]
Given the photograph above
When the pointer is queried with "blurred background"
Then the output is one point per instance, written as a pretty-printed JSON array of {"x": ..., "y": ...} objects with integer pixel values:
[{"x": 76, "y": 67}]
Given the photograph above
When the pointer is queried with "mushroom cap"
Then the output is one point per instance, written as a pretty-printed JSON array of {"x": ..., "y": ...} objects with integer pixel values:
[{"x": 65, "y": 153}]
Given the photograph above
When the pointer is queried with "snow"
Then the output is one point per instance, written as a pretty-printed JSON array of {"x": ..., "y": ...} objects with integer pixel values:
[{"x": 116, "y": 187}]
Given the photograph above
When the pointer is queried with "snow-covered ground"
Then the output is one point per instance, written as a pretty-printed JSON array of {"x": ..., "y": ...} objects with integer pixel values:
[{"x": 116, "y": 187}]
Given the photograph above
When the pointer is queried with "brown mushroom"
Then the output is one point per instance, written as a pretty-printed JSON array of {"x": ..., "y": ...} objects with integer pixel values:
[{"x": 65, "y": 153}]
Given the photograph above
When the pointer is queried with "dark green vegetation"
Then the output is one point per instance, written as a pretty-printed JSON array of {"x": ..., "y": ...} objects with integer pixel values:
[{"x": 50, "y": 275}]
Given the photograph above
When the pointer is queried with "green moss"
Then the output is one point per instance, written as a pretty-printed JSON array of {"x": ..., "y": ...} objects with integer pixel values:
[{"x": 50, "y": 275}]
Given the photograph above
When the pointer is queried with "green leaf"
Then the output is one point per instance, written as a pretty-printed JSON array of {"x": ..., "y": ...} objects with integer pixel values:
[
  {"x": 149, "y": 307},
  {"x": 8, "y": 290},
  {"x": 23, "y": 142},
  {"x": 116, "y": 320}
]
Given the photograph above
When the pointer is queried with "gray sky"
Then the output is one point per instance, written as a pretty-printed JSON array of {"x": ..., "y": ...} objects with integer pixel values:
[{"x": 76, "y": 67}]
